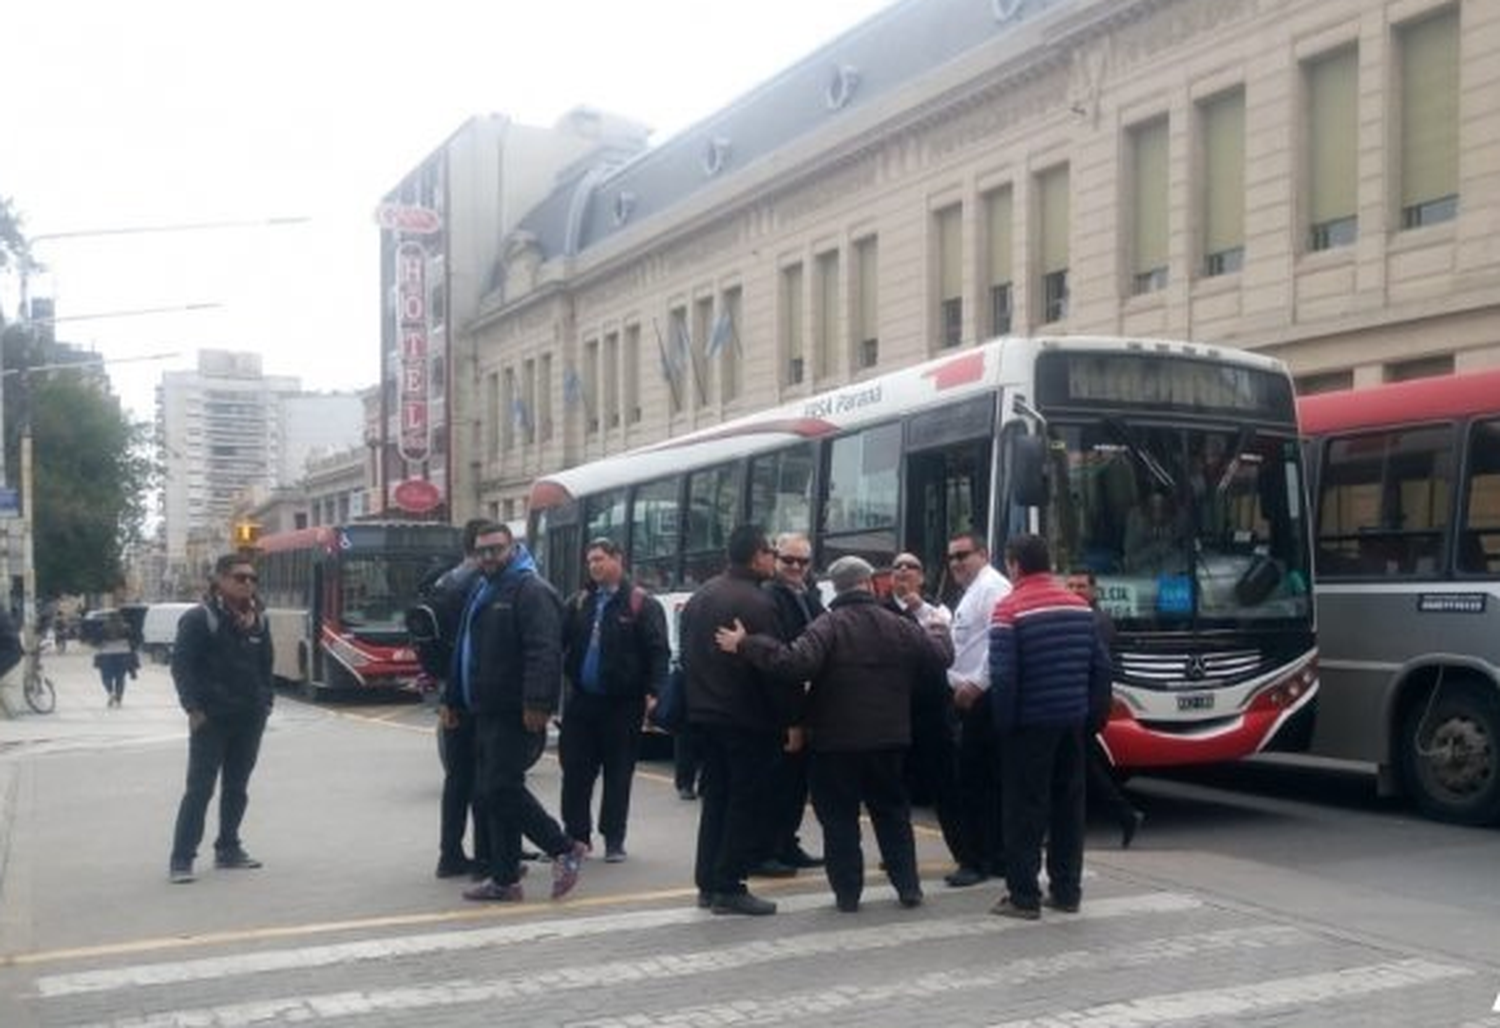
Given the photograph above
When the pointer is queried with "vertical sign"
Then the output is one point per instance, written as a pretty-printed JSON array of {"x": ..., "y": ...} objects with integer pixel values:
[{"x": 413, "y": 397}]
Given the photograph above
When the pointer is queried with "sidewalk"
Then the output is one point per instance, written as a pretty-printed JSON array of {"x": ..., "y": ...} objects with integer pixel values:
[{"x": 81, "y": 719}]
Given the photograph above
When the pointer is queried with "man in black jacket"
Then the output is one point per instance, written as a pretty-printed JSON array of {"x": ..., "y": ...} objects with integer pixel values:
[
  {"x": 862, "y": 659},
  {"x": 221, "y": 665},
  {"x": 615, "y": 653},
  {"x": 797, "y": 604},
  {"x": 738, "y": 716},
  {"x": 508, "y": 672}
]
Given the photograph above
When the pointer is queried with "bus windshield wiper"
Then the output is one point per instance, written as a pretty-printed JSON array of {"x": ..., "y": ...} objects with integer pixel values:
[{"x": 1147, "y": 459}]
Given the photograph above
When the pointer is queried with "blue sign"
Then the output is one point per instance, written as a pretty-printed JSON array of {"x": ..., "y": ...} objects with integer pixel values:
[{"x": 10, "y": 502}]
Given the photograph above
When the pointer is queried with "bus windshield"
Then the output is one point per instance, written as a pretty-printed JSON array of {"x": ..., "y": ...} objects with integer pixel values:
[
  {"x": 1185, "y": 528},
  {"x": 378, "y": 587}
]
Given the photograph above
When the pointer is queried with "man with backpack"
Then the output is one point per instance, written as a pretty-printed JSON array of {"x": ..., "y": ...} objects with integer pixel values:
[{"x": 615, "y": 655}]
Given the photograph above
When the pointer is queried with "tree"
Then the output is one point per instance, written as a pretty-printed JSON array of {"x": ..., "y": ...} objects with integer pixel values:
[
  {"x": 13, "y": 246},
  {"x": 90, "y": 465}
]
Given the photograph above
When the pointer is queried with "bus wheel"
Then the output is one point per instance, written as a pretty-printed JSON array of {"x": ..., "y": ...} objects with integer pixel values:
[{"x": 1450, "y": 753}]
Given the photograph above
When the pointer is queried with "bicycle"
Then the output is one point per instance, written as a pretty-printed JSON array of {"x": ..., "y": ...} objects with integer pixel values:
[{"x": 41, "y": 695}]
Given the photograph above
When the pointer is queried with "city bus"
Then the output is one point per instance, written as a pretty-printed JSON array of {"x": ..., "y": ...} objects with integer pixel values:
[
  {"x": 336, "y": 598},
  {"x": 1074, "y": 438},
  {"x": 1406, "y": 488}
]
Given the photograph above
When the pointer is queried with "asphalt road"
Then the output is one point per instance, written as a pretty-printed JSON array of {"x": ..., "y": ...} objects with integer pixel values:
[{"x": 1252, "y": 896}]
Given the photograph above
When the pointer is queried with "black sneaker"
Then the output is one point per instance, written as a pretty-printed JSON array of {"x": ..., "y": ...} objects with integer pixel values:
[
  {"x": 741, "y": 903},
  {"x": 181, "y": 874},
  {"x": 1051, "y": 902},
  {"x": 455, "y": 867},
  {"x": 965, "y": 877},
  {"x": 1007, "y": 907},
  {"x": 799, "y": 858},
  {"x": 235, "y": 860},
  {"x": 773, "y": 869}
]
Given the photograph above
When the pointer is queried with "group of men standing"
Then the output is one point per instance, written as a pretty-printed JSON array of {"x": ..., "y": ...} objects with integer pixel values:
[{"x": 987, "y": 711}]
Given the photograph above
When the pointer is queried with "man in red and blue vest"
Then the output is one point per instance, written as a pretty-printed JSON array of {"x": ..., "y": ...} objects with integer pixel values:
[{"x": 1047, "y": 661}]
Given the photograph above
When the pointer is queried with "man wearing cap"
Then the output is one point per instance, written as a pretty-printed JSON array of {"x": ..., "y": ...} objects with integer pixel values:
[{"x": 861, "y": 659}]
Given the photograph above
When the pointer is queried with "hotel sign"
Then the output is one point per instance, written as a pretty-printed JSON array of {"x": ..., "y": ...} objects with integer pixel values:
[{"x": 413, "y": 393}]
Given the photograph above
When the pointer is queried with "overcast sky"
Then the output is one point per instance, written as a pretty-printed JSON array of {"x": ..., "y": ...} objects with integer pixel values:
[{"x": 169, "y": 112}]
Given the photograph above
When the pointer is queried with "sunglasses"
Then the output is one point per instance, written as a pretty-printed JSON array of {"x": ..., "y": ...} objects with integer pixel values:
[
  {"x": 796, "y": 562},
  {"x": 906, "y": 565},
  {"x": 958, "y": 555},
  {"x": 492, "y": 551},
  {"x": 243, "y": 577}
]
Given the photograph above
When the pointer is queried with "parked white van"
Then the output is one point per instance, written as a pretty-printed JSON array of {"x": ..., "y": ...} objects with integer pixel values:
[{"x": 159, "y": 629}]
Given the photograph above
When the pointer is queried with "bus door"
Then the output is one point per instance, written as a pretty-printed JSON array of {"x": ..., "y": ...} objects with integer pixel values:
[
  {"x": 949, "y": 455},
  {"x": 319, "y": 603}
]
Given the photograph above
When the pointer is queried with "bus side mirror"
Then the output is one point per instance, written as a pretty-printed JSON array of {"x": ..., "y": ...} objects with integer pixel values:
[{"x": 1028, "y": 469}]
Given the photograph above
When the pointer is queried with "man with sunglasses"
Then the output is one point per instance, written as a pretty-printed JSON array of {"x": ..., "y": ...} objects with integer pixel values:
[
  {"x": 981, "y": 851},
  {"x": 507, "y": 671},
  {"x": 798, "y": 603},
  {"x": 221, "y": 665}
]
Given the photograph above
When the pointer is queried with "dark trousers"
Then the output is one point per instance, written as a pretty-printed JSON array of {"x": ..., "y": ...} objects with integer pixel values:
[
  {"x": 113, "y": 667},
  {"x": 686, "y": 762},
  {"x": 509, "y": 809},
  {"x": 840, "y": 782},
  {"x": 222, "y": 750},
  {"x": 980, "y": 803},
  {"x": 737, "y": 765},
  {"x": 600, "y": 734},
  {"x": 459, "y": 799},
  {"x": 1103, "y": 791},
  {"x": 932, "y": 763},
  {"x": 786, "y": 800},
  {"x": 1042, "y": 771}
]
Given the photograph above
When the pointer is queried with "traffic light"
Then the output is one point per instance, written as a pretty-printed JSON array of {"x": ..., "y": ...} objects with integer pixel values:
[{"x": 246, "y": 534}]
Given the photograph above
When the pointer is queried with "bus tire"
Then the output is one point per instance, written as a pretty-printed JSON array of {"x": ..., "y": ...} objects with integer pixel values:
[{"x": 1450, "y": 752}]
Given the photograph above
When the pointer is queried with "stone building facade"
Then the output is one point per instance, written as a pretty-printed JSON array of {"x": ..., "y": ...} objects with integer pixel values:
[{"x": 1316, "y": 179}]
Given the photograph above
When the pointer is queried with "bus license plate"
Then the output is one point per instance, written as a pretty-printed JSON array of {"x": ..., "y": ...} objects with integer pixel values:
[{"x": 1196, "y": 701}]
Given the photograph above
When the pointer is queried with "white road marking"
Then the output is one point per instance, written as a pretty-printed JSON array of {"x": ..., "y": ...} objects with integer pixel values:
[
  {"x": 1215, "y": 1005},
  {"x": 671, "y": 967}
]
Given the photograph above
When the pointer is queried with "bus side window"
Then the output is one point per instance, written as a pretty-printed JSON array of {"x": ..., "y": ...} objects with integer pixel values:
[{"x": 1479, "y": 541}]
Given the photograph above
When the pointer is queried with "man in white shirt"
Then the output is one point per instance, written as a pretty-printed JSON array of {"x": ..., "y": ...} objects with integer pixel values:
[{"x": 981, "y": 852}]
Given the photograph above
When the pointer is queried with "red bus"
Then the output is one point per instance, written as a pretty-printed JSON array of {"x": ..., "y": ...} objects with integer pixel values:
[
  {"x": 336, "y": 597},
  {"x": 1406, "y": 500}
]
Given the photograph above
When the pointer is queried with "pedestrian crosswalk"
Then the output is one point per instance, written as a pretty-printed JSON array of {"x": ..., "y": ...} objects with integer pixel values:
[{"x": 1131, "y": 957}]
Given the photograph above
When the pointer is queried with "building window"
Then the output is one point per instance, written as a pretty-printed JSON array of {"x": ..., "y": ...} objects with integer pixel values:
[
  {"x": 542, "y": 415},
  {"x": 791, "y": 324},
  {"x": 677, "y": 351},
  {"x": 589, "y": 387},
  {"x": 1222, "y": 122},
  {"x": 1148, "y": 209},
  {"x": 1054, "y": 220},
  {"x": 866, "y": 304},
  {"x": 948, "y": 224},
  {"x": 724, "y": 344},
  {"x": 525, "y": 414},
  {"x": 631, "y": 376},
  {"x": 999, "y": 216},
  {"x": 508, "y": 398},
  {"x": 1332, "y": 85},
  {"x": 1324, "y": 382},
  {"x": 492, "y": 415},
  {"x": 826, "y": 314},
  {"x": 698, "y": 357},
  {"x": 609, "y": 397},
  {"x": 1428, "y": 52},
  {"x": 1419, "y": 367}
]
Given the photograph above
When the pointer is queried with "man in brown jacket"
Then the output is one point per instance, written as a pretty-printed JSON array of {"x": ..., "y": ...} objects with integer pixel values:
[{"x": 862, "y": 660}]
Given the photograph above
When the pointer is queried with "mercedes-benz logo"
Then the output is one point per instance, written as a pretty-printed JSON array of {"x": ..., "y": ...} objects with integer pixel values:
[{"x": 1196, "y": 671}]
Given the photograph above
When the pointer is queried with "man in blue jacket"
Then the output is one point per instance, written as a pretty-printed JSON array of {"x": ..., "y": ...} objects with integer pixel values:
[
  {"x": 508, "y": 672},
  {"x": 1047, "y": 662}
]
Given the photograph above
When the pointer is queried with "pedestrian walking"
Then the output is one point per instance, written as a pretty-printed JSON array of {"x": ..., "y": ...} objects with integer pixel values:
[
  {"x": 508, "y": 674},
  {"x": 737, "y": 717},
  {"x": 1103, "y": 790},
  {"x": 11, "y": 651},
  {"x": 861, "y": 660},
  {"x": 981, "y": 851},
  {"x": 221, "y": 666},
  {"x": 115, "y": 657},
  {"x": 1048, "y": 670},
  {"x": 798, "y": 603},
  {"x": 615, "y": 655},
  {"x": 445, "y": 600}
]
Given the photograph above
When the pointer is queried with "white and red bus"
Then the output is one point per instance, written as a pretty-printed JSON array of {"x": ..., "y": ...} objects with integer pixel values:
[
  {"x": 1071, "y": 437},
  {"x": 336, "y": 598},
  {"x": 1406, "y": 489}
]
